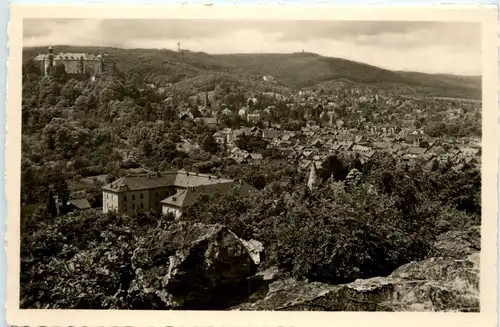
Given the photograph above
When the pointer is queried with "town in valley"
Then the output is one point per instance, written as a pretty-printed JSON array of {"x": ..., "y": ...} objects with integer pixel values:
[{"x": 177, "y": 179}]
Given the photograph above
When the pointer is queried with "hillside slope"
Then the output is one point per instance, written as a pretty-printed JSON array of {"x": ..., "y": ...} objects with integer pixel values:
[
  {"x": 295, "y": 70},
  {"x": 309, "y": 69}
]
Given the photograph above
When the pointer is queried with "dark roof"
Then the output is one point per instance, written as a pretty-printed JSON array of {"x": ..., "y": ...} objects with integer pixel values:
[
  {"x": 80, "y": 203},
  {"x": 178, "y": 178},
  {"x": 187, "y": 197}
]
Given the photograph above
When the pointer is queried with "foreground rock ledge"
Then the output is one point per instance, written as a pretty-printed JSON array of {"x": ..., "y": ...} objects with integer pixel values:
[
  {"x": 435, "y": 284},
  {"x": 205, "y": 264}
]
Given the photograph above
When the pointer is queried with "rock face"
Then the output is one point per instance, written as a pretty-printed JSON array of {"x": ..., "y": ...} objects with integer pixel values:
[
  {"x": 435, "y": 284},
  {"x": 194, "y": 267},
  {"x": 429, "y": 285}
]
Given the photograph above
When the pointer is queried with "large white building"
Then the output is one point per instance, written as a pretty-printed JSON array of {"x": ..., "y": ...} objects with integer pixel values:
[
  {"x": 169, "y": 192},
  {"x": 74, "y": 63}
]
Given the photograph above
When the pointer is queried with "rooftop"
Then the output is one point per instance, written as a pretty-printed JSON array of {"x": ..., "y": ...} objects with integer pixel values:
[
  {"x": 188, "y": 196},
  {"x": 179, "y": 178},
  {"x": 68, "y": 56}
]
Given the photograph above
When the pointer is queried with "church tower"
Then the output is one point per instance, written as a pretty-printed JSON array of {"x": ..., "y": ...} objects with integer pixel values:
[
  {"x": 207, "y": 104},
  {"x": 313, "y": 176},
  {"x": 50, "y": 61}
]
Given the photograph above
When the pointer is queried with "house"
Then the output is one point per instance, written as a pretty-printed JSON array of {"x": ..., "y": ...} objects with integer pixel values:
[
  {"x": 253, "y": 118},
  {"x": 286, "y": 151},
  {"x": 79, "y": 204},
  {"x": 304, "y": 164},
  {"x": 416, "y": 151},
  {"x": 468, "y": 151},
  {"x": 185, "y": 197},
  {"x": 162, "y": 192},
  {"x": 209, "y": 121},
  {"x": 185, "y": 146},
  {"x": 360, "y": 149},
  {"x": 317, "y": 143},
  {"x": 306, "y": 153},
  {"x": 78, "y": 201},
  {"x": 382, "y": 145},
  {"x": 360, "y": 139},
  {"x": 269, "y": 134},
  {"x": 243, "y": 157},
  {"x": 346, "y": 145},
  {"x": 256, "y": 158}
]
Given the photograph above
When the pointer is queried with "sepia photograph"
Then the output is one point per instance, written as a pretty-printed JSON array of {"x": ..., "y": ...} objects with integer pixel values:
[{"x": 240, "y": 164}]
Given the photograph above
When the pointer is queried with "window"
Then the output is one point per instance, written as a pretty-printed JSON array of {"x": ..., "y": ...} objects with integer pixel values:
[
  {"x": 125, "y": 207},
  {"x": 142, "y": 206},
  {"x": 133, "y": 196},
  {"x": 124, "y": 198},
  {"x": 133, "y": 205},
  {"x": 141, "y": 196},
  {"x": 156, "y": 194}
]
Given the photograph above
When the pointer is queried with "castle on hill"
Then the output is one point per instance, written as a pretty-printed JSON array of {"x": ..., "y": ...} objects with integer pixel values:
[{"x": 74, "y": 63}]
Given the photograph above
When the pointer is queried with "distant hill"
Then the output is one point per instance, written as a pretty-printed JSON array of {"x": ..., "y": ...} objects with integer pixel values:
[
  {"x": 310, "y": 69},
  {"x": 296, "y": 70}
]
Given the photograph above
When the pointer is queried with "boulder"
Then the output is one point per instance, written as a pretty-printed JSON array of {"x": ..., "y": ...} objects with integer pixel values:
[
  {"x": 196, "y": 266},
  {"x": 435, "y": 284}
]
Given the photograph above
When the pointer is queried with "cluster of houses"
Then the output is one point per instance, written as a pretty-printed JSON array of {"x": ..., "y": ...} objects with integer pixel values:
[{"x": 314, "y": 144}]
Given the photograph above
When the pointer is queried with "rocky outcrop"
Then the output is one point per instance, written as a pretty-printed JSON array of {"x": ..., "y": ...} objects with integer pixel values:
[
  {"x": 428, "y": 285},
  {"x": 194, "y": 266},
  {"x": 436, "y": 284}
]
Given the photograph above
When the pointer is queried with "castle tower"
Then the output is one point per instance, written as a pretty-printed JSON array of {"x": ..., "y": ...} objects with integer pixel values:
[{"x": 313, "y": 176}]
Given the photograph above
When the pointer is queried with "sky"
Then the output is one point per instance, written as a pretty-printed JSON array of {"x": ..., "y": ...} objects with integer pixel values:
[{"x": 429, "y": 47}]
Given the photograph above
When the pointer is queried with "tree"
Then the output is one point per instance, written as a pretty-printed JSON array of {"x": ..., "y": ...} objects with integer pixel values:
[
  {"x": 333, "y": 167},
  {"x": 59, "y": 73},
  {"x": 209, "y": 144},
  {"x": 50, "y": 207},
  {"x": 146, "y": 147}
]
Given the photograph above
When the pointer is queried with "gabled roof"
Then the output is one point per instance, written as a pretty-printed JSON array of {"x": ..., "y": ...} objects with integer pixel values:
[
  {"x": 80, "y": 203},
  {"x": 178, "y": 179},
  {"x": 187, "y": 197},
  {"x": 417, "y": 151}
]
